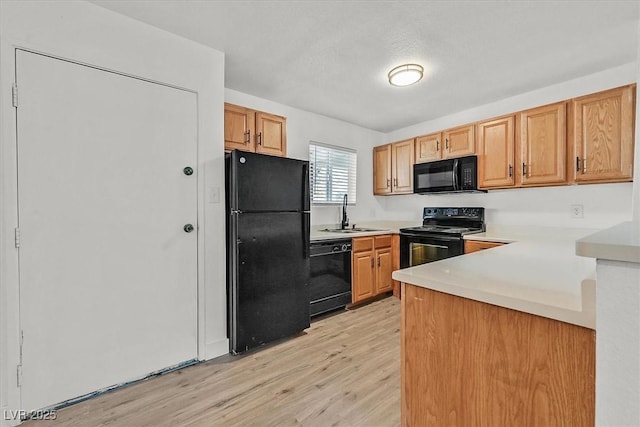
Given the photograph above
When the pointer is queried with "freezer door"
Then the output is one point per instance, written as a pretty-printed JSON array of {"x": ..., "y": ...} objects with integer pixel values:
[
  {"x": 262, "y": 183},
  {"x": 268, "y": 290}
]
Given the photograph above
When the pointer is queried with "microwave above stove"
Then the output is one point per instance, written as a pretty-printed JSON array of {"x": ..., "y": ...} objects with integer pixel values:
[{"x": 447, "y": 176}]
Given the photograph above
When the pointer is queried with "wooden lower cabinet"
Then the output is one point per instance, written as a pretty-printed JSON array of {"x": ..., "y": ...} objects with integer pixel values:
[
  {"x": 363, "y": 276},
  {"x": 467, "y": 363},
  {"x": 478, "y": 245},
  {"x": 395, "y": 262},
  {"x": 371, "y": 267}
]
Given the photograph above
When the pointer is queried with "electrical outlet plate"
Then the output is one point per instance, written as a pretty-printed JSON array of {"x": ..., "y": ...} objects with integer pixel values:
[{"x": 577, "y": 211}]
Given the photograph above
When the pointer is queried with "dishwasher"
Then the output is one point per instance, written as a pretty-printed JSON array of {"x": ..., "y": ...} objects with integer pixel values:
[{"x": 330, "y": 278}]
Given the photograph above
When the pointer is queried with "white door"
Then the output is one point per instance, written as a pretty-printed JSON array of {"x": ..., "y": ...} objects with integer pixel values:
[{"x": 108, "y": 279}]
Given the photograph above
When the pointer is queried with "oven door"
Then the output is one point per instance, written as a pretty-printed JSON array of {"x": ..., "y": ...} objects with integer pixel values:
[{"x": 416, "y": 249}]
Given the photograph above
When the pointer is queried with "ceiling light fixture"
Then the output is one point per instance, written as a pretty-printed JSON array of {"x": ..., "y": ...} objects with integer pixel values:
[{"x": 406, "y": 74}]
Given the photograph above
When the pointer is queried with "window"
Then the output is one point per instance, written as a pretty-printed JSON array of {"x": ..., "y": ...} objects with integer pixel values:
[{"x": 332, "y": 173}]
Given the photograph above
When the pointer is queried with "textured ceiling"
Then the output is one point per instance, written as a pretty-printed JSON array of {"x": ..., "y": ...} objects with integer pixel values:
[{"x": 331, "y": 57}]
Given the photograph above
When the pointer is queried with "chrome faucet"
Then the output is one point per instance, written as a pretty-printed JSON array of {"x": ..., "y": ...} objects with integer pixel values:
[{"x": 345, "y": 220}]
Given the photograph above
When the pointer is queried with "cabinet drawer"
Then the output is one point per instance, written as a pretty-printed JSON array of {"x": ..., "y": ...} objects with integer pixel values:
[
  {"x": 362, "y": 244},
  {"x": 383, "y": 241},
  {"x": 476, "y": 245}
]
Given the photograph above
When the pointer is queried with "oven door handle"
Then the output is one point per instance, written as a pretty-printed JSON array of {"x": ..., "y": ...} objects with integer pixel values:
[{"x": 432, "y": 238}]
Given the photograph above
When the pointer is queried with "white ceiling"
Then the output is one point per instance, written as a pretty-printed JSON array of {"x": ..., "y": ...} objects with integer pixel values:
[{"x": 332, "y": 57}]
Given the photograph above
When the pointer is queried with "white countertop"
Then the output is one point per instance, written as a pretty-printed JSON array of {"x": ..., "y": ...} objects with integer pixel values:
[
  {"x": 538, "y": 272},
  {"x": 619, "y": 243},
  {"x": 382, "y": 227}
]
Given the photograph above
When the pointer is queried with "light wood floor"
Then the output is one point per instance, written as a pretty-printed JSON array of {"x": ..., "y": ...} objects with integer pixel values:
[{"x": 344, "y": 371}]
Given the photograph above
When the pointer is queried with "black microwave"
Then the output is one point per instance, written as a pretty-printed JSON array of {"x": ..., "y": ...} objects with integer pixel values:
[{"x": 447, "y": 176}]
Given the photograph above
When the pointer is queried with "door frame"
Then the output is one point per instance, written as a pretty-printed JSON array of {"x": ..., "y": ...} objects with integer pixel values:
[{"x": 10, "y": 326}]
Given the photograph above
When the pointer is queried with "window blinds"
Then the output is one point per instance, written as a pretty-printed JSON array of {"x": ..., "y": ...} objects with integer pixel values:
[{"x": 332, "y": 173}]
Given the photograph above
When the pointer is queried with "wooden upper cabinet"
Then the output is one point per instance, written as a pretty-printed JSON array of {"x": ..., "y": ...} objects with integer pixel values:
[
  {"x": 603, "y": 136},
  {"x": 459, "y": 142},
  {"x": 382, "y": 169},
  {"x": 456, "y": 142},
  {"x": 543, "y": 145},
  {"x": 249, "y": 130},
  {"x": 393, "y": 168},
  {"x": 496, "y": 153},
  {"x": 239, "y": 125},
  {"x": 428, "y": 148},
  {"x": 271, "y": 134},
  {"x": 402, "y": 167}
]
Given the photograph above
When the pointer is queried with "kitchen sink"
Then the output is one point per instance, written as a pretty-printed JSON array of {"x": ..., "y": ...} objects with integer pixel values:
[{"x": 351, "y": 230}]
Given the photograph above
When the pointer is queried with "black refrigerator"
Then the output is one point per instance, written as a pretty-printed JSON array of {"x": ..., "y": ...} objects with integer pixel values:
[{"x": 268, "y": 224}]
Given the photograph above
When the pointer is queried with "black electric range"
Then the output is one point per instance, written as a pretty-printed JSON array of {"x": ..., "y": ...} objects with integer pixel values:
[{"x": 440, "y": 236}]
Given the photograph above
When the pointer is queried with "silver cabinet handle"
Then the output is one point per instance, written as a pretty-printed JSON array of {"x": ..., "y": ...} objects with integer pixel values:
[
  {"x": 446, "y": 143},
  {"x": 248, "y": 133},
  {"x": 259, "y": 138},
  {"x": 437, "y": 145},
  {"x": 524, "y": 169},
  {"x": 510, "y": 171},
  {"x": 388, "y": 182}
]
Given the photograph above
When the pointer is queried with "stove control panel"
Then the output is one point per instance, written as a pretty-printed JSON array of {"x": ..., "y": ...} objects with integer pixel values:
[{"x": 462, "y": 213}]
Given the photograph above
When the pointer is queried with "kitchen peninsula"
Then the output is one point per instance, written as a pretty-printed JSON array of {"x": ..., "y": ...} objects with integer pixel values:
[{"x": 503, "y": 336}]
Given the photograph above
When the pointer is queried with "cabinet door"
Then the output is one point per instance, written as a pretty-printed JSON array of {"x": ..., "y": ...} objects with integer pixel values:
[
  {"x": 496, "y": 160},
  {"x": 395, "y": 262},
  {"x": 402, "y": 166},
  {"x": 543, "y": 145},
  {"x": 382, "y": 169},
  {"x": 384, "y": 283},
  {"x": 363, "y": 276},
  {"x": 428, "y": 148},
  {"x": 603, "y": 136},
  {"x": 459, "y": 142},
  {"x": 271, "y": 134},
  {"x": 238, "y": 128},
  {"x": 477, "y": 245}
]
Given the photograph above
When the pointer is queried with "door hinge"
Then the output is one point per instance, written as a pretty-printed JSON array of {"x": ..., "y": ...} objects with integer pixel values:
[
  {"x": 19, "y": 375},
  {"x": 17, "y": 237},
  {"x": 14, "y": 95}
]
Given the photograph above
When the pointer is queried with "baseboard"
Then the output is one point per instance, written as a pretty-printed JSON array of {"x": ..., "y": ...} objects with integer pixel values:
[{"x": 216, "y": 348}]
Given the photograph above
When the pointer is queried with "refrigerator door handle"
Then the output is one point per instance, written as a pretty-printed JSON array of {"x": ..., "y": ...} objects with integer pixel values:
[
  {"x": 305, "y": 188},
  {"x": 306, "y": 230}
]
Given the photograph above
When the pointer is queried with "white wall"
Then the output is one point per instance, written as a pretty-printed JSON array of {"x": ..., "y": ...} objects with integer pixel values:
[
  {"x": 303, "y": 127},
  {"x": 89, "y": 34},
  {"x": 604, "y": 204}
]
